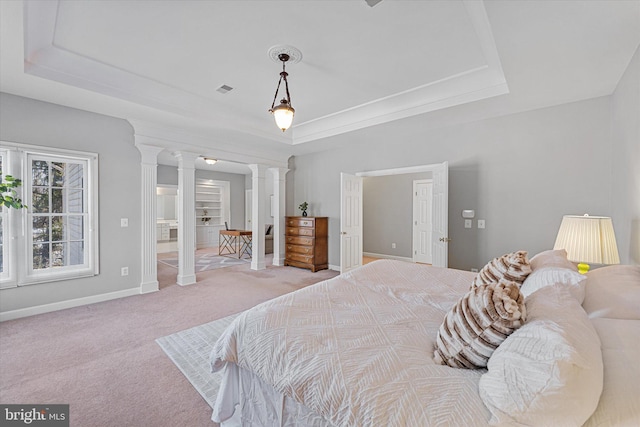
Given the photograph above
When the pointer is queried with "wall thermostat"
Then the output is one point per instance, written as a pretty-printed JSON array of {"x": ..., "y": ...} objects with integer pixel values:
[{"x": 468, "y": 213}]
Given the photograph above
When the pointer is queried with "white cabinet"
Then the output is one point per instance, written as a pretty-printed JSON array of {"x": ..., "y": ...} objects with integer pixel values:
[
  {"x": 163, "y": 231},
  {"x": 207, "y": 235},
  {"x": 212, "y": 210}
]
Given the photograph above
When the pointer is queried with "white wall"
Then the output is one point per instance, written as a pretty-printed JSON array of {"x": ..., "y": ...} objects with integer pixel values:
[
  {"x": 38, "y": 123},
  {"x": 625, "y": 180},
  {"x": 520, "y": 172}
]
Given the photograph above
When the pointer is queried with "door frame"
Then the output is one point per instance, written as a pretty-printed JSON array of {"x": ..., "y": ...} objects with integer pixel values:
[{"x": 435, "y": 167}]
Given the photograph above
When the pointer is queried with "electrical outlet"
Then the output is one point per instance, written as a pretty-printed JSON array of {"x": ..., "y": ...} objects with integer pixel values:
[
  {"x": 124, "y": 271},
  {"x": 124, "y": 222},
  {"x": 393, "y": 246},
  {"x": 474, "y": 270}
]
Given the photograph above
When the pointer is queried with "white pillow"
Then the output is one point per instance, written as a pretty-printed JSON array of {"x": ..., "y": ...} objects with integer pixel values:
[
  {"x": 614, "y": 292},
  {"x": 547, "y": 276},
  {"x": 548, "y": 372},
  {"x": 552, "y": 258}
]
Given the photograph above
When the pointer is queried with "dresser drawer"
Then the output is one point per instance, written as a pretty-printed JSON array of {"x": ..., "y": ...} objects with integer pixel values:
[
  {"x": 305, "y": 250},
  {"x": 295, "y": 240},
  {"x": 300, "y": 222},
  {"x": 308, "y": 259},
  {"x": 292, "y": 231}
]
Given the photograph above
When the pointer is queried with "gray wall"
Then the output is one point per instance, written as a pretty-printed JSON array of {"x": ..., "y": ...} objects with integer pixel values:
[
  {"x": 38, "y": 123},
  {"x": 168, "y": 175},
  {"x": 625, "y": 189},
  {"x": 389, "y": 200},
  {"x": 520, "y": 172}
]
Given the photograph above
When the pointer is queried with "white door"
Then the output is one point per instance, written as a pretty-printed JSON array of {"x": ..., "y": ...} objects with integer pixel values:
[
  {"x": 441, "y": 215},
  {"x": 422, "y": 224},
  {"x": 248, "y": 209},
  {"x": 350, "y": 222}
]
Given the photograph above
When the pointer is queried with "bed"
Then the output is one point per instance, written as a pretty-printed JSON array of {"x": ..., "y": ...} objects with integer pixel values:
[{"x": 358, "y": 350}]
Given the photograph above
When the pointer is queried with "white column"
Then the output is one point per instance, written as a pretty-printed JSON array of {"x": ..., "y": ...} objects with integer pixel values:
[
  {"x": 186, "y": 217},
  {"x": 257, "y": 215},
  {"x": 149, "y": 166},
  {"x": 279, "y": 211}
]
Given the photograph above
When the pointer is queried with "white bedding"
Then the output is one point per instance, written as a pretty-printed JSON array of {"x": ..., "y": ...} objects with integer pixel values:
[{"x": 385, "y": 317}]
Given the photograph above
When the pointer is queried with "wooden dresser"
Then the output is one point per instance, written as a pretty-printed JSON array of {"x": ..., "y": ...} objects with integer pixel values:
[{"x": 306, "y": 242}]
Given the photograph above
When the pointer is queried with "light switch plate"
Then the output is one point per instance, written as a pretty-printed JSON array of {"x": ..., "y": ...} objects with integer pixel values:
[
  {"x": 124, "y": 222},
  {"x": 467, "y": 223},
  {"x": 481, "y": 223}
]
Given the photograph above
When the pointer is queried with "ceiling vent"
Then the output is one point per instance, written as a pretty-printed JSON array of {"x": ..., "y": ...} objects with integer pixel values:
[{"x": 224, "y": 89}]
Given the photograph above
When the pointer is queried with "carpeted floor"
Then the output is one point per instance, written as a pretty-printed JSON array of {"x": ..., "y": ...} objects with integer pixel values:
[
  {"x": 208, "y": 261},
  {"x": 190, "y": 350},
  {"x": 102, "y": 359}
]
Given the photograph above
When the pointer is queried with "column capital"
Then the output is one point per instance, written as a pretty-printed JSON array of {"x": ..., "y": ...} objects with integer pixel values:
[
  {"x": 186, "y": 158},
  {"x": 279, "y": 173},
  {"x": 149, "y": 153},
  {"x": 258, "y": 169}
]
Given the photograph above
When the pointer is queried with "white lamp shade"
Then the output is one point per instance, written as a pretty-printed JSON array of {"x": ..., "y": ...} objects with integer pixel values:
[
  {"x": 588, "y": 239},
  {"x": 284, "y": 116}
]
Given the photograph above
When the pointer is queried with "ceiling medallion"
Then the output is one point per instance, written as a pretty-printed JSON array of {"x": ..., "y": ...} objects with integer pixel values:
[{"x": 295, "y": 55}]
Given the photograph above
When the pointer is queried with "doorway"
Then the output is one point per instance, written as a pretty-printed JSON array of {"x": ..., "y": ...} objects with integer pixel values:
[{"x": 439, "y": 209}]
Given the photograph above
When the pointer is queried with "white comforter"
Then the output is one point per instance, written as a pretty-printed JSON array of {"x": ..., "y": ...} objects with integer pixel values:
[{"x": 358, "y": 349}]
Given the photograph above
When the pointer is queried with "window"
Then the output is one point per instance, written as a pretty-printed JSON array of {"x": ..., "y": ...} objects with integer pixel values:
[{"x": 60, "y": 238}]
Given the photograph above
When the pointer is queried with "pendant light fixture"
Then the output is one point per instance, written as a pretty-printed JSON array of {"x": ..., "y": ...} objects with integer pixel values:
[{"x": 284, "y": 112}]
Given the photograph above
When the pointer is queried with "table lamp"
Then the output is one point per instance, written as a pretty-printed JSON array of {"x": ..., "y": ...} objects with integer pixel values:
[{"x": 588, "y": 239}]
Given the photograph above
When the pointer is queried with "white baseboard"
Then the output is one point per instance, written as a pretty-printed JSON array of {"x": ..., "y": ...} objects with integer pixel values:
[
  {"x": 47, "y": 308},
  {"x": 334, "y": 267},
  {"x": 399, "y": 258}
]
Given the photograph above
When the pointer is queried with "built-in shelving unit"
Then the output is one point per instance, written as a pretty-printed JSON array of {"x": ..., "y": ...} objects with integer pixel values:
[{"x": 212, "y": 210}]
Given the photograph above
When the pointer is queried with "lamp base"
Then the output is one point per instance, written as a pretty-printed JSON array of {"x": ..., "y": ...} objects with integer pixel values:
[{"x": 583, "y": 268}]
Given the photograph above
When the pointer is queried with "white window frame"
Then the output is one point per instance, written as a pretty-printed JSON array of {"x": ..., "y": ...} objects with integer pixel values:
[
  {"x": 21, "y": 221},
  {"x": 7, "y": 277}
]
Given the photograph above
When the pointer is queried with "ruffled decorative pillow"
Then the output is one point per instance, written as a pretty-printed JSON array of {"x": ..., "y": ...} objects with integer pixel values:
[
  {"x": 478, "y": 323},
  {"x": 513, "y": 267}
]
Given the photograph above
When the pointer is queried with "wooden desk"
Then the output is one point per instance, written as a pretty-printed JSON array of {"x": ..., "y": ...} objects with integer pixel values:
[{"x": 235, "y": 243}]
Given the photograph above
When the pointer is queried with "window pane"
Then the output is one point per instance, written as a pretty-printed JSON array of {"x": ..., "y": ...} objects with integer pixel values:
[
  {"x": 57, "y": 200},
  {"x": 40, "y": 200},
  {"x": 57, "y": 228},
  {"x": 40, "y": 172},
  {"x": 40, "y": 228},
  {"x": 76, "y": 253},
  {"x": 57, "y": 169},
  {"x": 75, "y": 201},
  {"x": 58, "y": 254},
  {"x": 75, "y": 227},
  {"x": 75, "y": 176},
  {"x": 40, "y": 256}
]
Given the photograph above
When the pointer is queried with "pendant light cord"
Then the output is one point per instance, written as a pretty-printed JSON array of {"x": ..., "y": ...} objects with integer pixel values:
[{"x": 284, "y": 75}]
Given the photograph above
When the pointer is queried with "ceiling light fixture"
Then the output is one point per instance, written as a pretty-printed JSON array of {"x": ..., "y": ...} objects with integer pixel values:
[
  {"x": 210, "y": 161},
  {"x": 284, "y": 112}
]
